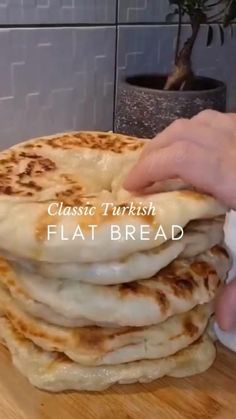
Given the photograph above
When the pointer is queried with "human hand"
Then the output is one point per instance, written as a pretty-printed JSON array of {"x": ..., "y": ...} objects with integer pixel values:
[
  {"x": 200, "y": 151},
  {"x": 226, "y": 307}
]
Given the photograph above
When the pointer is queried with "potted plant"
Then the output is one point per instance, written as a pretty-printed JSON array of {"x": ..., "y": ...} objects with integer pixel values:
[{"x": 146, "y": 104}]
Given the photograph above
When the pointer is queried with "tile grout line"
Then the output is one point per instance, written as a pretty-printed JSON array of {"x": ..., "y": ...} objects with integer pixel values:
[{"x": 115, "y": 64}]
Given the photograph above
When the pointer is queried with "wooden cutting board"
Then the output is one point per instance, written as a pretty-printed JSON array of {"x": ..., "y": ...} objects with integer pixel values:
[{"x": 205, "y": 396}]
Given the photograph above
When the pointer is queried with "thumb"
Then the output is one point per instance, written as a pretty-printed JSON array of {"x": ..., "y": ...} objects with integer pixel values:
[{"x": 226, "y": 307}]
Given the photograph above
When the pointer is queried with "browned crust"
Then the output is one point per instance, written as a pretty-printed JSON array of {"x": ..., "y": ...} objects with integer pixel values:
[
  {"x": 23, "y": 167},
  {"x": 115, "y": 143}
]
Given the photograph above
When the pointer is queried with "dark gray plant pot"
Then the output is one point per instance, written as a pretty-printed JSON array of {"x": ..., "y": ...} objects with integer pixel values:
[{"x": 144, "y": 109}]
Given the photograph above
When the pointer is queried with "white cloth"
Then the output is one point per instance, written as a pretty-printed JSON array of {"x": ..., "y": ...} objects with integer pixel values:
[{"x": 229, "y": 338}]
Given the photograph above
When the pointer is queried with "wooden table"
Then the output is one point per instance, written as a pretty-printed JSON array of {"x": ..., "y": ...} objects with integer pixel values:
[{"x": 205, "y": 396}]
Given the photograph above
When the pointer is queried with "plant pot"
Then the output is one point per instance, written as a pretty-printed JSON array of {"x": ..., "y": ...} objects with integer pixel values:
[{"x": 143, "y": 108}]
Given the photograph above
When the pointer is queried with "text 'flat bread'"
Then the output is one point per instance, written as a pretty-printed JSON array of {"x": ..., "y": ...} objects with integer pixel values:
[{"x": 198, "y": 238}]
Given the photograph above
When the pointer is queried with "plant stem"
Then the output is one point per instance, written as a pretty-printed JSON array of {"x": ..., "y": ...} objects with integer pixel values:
[
  {"x": 178, "y": 34},
  {"x": 183, "y": 70}
]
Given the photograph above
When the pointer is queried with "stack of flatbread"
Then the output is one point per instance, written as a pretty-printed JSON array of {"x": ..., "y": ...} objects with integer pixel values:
[{"x": 82, "y": 312}]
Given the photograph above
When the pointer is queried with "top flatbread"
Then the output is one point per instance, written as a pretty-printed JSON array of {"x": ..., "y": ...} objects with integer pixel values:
[{"x": 75, "y": 169}]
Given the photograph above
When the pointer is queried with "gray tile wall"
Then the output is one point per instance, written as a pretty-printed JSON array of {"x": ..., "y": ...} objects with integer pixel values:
[
  {"x": 148, "y": 11},
  {"x": 58, "y": 60},
  {"x": 55, "y": 79},
  {"x": 57, "y": 11},
  {"x": 142, "y": 11}
]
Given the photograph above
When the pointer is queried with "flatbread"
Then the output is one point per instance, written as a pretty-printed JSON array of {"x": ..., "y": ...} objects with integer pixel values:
[
  {"x": 177, "y": 288},
  {"x": 198, "y": 237},
  {"x": 105, "y": 346},
  {"x": 55, "y": 372},
  {"x": 75, "y": 169}
]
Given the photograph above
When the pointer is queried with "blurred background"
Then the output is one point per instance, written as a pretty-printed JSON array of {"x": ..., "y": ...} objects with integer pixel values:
[{"x": 62, "y": 60}]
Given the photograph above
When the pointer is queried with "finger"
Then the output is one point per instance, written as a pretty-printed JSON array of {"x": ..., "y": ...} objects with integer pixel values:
[
  {"x": 190, "y": 131},
  {"x": 214, "y": 119},
  {"x": 226, "y": 307},
  {"x": 173, "y": 133},
  {"x": 183, "y": 160},
  {"x": 168, "y": 185}
]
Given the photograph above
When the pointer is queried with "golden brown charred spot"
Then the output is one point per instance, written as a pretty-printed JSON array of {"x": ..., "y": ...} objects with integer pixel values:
[
  {"x": 38, "y": 167},
  {"x": 136, "y": 289},
  {"x": 132, "y": 288},
  {"x": 29, "y": 155},
  {"x": 33, "y": 331},
  {"x": 11, "y": 158},
  {"x": 200, "y": 268},
  {"x": 162, "y": 301},
  {"x": 149, "y": 219},
  {"x": 47, "y": 164},
  {"x": 125, "y": 206},
  {"x": 16, "y": 322},
  {"x": 115, "y": 143},
  {"x": 28, "y": 145},
  {"x": 29, "y": 329},
  {"x": 73, "y": 196},
  {"x": 220, "y": 251},
  {"x": 4, "y": 267},
  {"x": 197, "y": 196},
  {"x": 206, "y": 282},
  {"x": 182, "y": 287},
  {"x": 14, "y": 183},
  {"x": 68, "y": 179},
  {"x": 96, "y": 339},
  {"x": 7, "y": 190},
  {"x": 20, "y": 338},
  {"x": 187, "y": 284},
  {"x": 31, "y": 184},
  {"x": 66, "y": 193},
  {"x": 90, "y": 338},
  {"x": 190, "y": 328},
  {"x": 125, "y": 330},
  {"x": 10, "y": 284},
  {"x": 28, "y": 170}
]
